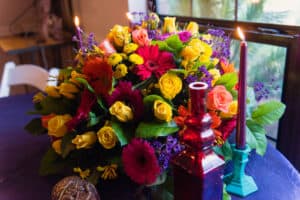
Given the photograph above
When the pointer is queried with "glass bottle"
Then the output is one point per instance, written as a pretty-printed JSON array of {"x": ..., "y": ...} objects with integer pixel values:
[{"x": 198, "y": 169}]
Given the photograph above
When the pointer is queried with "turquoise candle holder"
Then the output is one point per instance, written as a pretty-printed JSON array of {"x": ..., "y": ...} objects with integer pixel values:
[{"x": 238, "y": 182}]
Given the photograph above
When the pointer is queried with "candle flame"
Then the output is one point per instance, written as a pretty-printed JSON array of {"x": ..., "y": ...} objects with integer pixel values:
[
  {"x": 241, "y": 34},
  {"x": 129, "y": 16},
  {"x": 76, "y": 21}
]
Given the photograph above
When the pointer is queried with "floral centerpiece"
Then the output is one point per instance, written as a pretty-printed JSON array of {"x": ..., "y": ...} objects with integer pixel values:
[{"x": 121, "y": 107}]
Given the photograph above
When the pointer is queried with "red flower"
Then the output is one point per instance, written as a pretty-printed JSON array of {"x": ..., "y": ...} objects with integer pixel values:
[
  {"x": 132, "y": 98},
  {"x": 99, "y": 74},
  {"x": 87, "y": 101},
  {"x": 155, "y": 62},
  {"x": 140, "y": 162}
]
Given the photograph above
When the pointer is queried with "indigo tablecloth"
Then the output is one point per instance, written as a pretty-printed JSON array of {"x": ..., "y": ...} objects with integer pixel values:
[{"x": 20, "y": 155}]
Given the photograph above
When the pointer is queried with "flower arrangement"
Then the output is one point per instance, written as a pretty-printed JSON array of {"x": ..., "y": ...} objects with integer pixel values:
[{"x": 121, "y": 108}]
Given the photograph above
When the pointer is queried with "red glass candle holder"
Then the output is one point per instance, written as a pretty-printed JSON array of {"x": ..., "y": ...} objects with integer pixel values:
[{"x": 197, "y": 169}]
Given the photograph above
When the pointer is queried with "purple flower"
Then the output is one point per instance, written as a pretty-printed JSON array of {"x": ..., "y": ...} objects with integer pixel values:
[
  {"x": 184, "y": 36},
  {"x": 220, "y": 43},
  {"x": 191, "y": 78}
]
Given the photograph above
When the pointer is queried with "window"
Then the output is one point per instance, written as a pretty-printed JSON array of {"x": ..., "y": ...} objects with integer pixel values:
[{"x": 272, "y": 29}]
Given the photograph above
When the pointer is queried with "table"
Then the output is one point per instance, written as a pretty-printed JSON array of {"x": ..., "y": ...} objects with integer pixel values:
[{"x": 20, "y": 154}]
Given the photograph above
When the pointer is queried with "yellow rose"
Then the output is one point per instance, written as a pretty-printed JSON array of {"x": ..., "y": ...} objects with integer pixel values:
[
  {"x": 56, "y": 125},
  {"x": 85, "y": 140},
  {"x": 114, "y": 59},
  {"x": 38, "y": 97},
  {"x": 169, "y": 25},
  {"x": 192, "y": 27},
  {"x": 136, "y": 59},
  {"x": 232, "y": 110},
  {"x": 56, "y": 145},
  {"x": 121, "y": 111},
  {"x": 170, "y": 85},
  {"x": 197, "y": 49},
  {"x": 121, "y": 71},
  {"x": 129, "y": 48},
  {"x": 68, "y": 90},
  {"x": 107, "y": 137},
  {"x": 52, "y": 91},
  {"x": 215, "y": 75},
  {"x": 162, "y": 110},
  {"x": 119, "y": 35}
]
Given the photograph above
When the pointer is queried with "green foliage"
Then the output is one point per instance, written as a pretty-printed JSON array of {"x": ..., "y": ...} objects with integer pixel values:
[
  {"x": 66, "y": 144},
  {"x": 268, "y": 112},
  {"x": 226, "y": 196},
  {"x": 256, "y": 137},
  {"x": 229, "y": 80},
  {"x": 52, "y": 163},
  {"x": 172, "y": 44},
  {"x": 86, "y": 84},
  {"x": 155, "y": 129},
  {"x": 123, "y": 132},
  {"x": 224, "y": 150},
  {"x": 35, "y": 127}
]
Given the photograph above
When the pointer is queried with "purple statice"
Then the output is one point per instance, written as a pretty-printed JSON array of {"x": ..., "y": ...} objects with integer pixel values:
[
  {"x": 85, "y": 43},
  {"x": 91, "y": 42},
  {"x": 166, "y": 150},
  {"x": 207, "y": 77},
  {"x": 184, "y": 36},
  {"x": 220, "y": 43},
  {"x": 191, "y": 78},
  {"x": 152, "y": 34},
  {"x": 260, "y": 91},
  {"x": 162, "y": 37}
]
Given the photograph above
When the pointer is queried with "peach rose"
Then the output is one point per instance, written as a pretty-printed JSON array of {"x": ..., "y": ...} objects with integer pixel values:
[
  {"x": 140, "y": 36},
  {"x": 219, "y": 99}
]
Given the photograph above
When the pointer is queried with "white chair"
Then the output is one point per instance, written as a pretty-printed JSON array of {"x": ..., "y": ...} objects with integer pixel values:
[{"x": 24, "y": 74}]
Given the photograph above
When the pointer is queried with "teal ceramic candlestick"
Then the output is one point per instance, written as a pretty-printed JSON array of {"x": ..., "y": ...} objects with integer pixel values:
[{"x": 238, "y": 182}]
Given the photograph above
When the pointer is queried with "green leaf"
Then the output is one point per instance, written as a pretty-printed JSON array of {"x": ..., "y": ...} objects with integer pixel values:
[
  {"x": 268, "y": 112},
  {"x": 35, "y": 127},
  {"x": 225, "y": 150},
  {"x": 122, "y": 131},
  {"x": 174, "y": 42},
  {"x": 149, "y": 100},
  {"x": 179, "y": 71},
  {"x": 258, "y": 132},
  {"x": 162, "y": 45},
  {"x": 101, "y": 104},
  {"x": 229, "y": 80},
  {"x": 226, "y": 196},
  {"x": 51, "y": 163},
  {"x": 86, "y": 84},
  {"x": 94, "y": 177},
  {"x": 155, "y": 129},
  {"x": 66, "y": 144},
  {"x": 251, "y": 140},
  {"x": 93, "y": 119}
]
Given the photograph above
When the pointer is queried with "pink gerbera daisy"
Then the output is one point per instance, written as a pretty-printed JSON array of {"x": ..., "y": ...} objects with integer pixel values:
[
  {"x": 132, "y": 98},
  {"x": 155, "y": 62},
  {"x": 140, "y": 162}
]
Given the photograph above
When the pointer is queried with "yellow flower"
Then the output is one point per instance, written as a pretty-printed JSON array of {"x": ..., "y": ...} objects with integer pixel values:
[
  {"x": 121, "y": 111},
  {"x": 85, "y": 140},
  {"x": 107, "y": 137},
  {"x": 153, "y": 20},
  {"x": 121, "y": 71},
  {"x": 52, "y": 91},
  {"x": 169, "y": 25},
  {"x": 56, "y": 145},
  {"x": 206, "y": 37},
  {"x": 114, "y": 59},
  {"x": 38, "y": 97},
  {"x": 119, "y": 35},
  {"x": 215, "y": 74},
  {"x": 75, "y": 75},
  {"x": 232, "y": 110},
  {"x": 192, "y": 27},
  {"x": 170, "y": 85},
  {"x": 68, "y": 90},
  {"x": 56, "y": 125},
  {"x": 83, "y": 174},
  {"x": 162, "y": 110},
  {"x": 197, "y": 49},
  {"x": 129, "y": 48},
  {"x": 109, "y": 171},
  {"x": 136, "y": 59}
]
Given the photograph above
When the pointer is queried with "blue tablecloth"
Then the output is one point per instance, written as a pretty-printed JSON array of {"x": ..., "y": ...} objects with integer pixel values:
[{"x": 20, "y": 155}]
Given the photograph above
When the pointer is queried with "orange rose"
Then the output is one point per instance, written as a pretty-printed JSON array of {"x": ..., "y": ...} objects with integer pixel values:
[
  {"x": 219, "y": 99},
  {"x": 140, "y": 36}
]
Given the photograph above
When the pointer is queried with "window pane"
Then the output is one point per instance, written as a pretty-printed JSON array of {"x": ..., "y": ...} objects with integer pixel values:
[
  {"x": 217, "y": 9},
  {"x": 270, "y": 11},
  {"x": 266, "y": 64}
]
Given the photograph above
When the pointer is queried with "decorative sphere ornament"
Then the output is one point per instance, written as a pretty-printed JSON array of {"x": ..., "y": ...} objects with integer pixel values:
[{"x": 74, "y": 188}]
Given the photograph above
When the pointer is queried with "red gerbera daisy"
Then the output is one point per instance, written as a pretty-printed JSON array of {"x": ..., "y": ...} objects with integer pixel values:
[
  {"x": 132, "y": 98},
  {"x": 99, "y": 74},
  {"x": 155, "y": 62},
  {"x": 140, "y": 162}
]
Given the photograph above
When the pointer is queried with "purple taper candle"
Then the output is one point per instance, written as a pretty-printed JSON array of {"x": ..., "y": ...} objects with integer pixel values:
[
  {"x": 78, "y": 31},
  {"x": 242, "y": 94}
]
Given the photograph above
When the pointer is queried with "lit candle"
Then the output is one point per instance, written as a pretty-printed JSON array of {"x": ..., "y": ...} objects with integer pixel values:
[
  {"x": 78, "y": 31},
  {"x": 130, "y": 19},
  {"x": 242, "y": 94}
]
